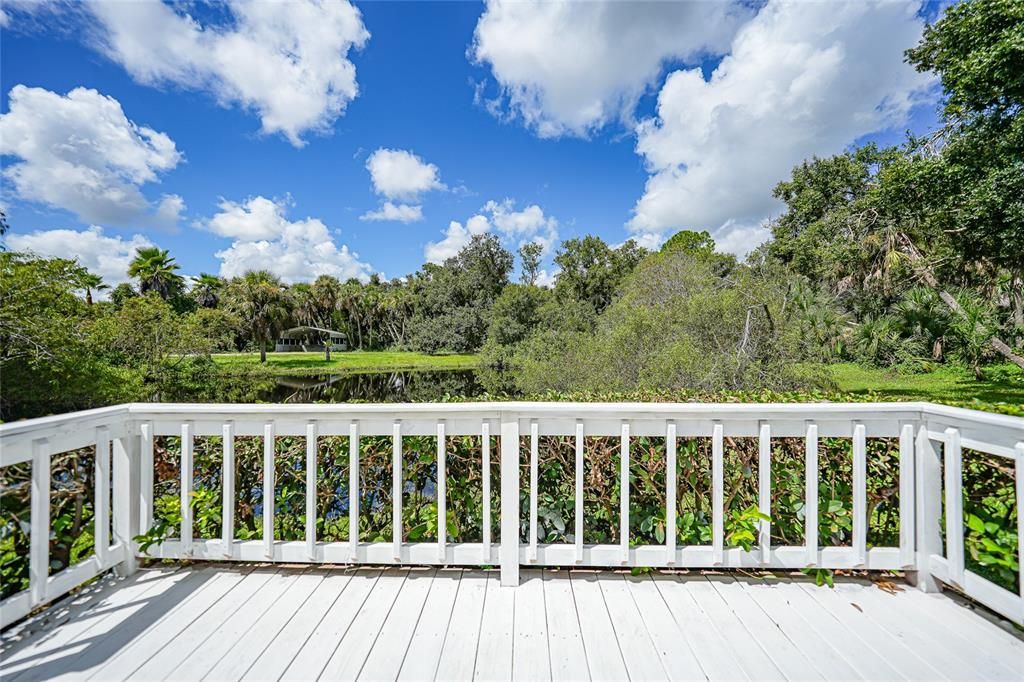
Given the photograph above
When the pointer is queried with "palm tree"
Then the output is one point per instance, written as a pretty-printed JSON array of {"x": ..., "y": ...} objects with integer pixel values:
[
  {"x": 261, "y": 299},
  {"x": 206, "y": 290},
  {"x": 92, "y": 282},
  {"x": 155, "y": 270}
]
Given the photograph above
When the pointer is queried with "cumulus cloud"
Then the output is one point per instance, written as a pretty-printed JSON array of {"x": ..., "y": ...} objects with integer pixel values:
[
  {"x": 400, "y": 174},
  {"x": 106, "y": 256},
  {"x": 287, "y": 61},
  {"x": 513, "y": 227},
  {"x": 569, "y": 68},
  {"x": 253, "y": 219},
  {"x": 80, "y": 152},
  {"x": 527, "y": 225},
  {"x": 296, "y": 251},
  {"x": 456, "y": 237},
  {"x": 402, "y": 213},
  {"x": 801, "y": 79}
]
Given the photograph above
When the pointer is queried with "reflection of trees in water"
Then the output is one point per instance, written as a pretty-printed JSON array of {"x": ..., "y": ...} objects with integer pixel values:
[{"x": 376, "y": 387}]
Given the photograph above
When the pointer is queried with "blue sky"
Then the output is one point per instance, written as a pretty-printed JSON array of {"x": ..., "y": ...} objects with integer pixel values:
[{"x": 530, "y": 122}]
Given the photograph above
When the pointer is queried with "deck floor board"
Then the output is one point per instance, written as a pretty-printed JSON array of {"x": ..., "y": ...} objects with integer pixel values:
[{"x": 224, "y": 622}]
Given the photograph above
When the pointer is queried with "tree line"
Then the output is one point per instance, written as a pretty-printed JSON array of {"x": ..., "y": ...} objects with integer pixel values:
[{"x": 905, "y": 256}]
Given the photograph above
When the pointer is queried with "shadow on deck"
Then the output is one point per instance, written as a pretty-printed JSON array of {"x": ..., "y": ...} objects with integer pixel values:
[{"x": 286, "y": 622}]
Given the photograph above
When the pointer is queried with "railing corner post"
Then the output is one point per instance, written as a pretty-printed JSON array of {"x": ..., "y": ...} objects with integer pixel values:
[
  {"x": 127, "y": 464},
  {"x": 509, "y": 548},
  {"x": 928, "y": 510}
]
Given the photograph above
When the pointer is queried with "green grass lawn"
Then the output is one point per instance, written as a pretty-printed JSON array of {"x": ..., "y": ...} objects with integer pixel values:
[
  {"x": 947, "y": 384},
  {"x": 350, "y": 361}
]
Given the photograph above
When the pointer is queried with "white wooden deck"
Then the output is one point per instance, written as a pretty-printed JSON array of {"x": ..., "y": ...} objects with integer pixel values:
[{"x": 223, "y": 622}]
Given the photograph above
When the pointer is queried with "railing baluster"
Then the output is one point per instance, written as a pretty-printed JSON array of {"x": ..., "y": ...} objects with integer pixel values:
[
  {"x": 811, "y": 495},
  {"x": 907, "y": 521},
  {"x": 1019, "y": 451},
  {"x": 353, "y": 490},
  {"x": 228, "y": 483},
  {"x": 860, "y": 494},
  {"x": 311, "y": 474},
  {"x": 764, "y": 490},
  {"x": 670, "y": 492},
  {"x": 578, "y": 500},
  {"x": 442, "y": 495},
  {"x": 396, "y": 489},
  {"x": 717, "y": 494},
  {"x": 101, "y": 513},
  {"x": 534, "y": 438},
  {"x": 954, "y": 507},
  {"x": 624, "y": 493},
  {"x": 485, "y": 462},
  {"x": 269, "y": 484},
  {"x": 186, "y": 488},
  {"x": 146, "y": 477},
  {"x": 39, "y": 538}
]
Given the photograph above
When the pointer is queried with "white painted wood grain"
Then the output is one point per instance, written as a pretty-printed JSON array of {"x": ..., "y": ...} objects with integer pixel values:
[
  {"x": 385, "y": 658},
  {"x": 206, "y": 625},
  {"x": 458, "y": 657},
  {"x": 604, "y": 658},
  {"x": 351, "y": 651},
  {"x": 908, "y": 663},
  {"x": 638, "y": 652},
  {"x": 279, "y": 654},
  {"x": 323, "y": 642},
  {"x": 118, "y": 657},
  {"x": 671, "y": 643},
  {"x": 57, "y": 648},
  {"x": 266, "y": 628},
  {"x": 494, "y": 648},
  {"x": 424, "y": 652},
  {"x": 215, "y": 649},
  {"x": 820, "y": 638},
  {"x": 565, "y": 639},
  {"x": 530, "y": 657},
  {"x": 766, "y": 653},
  {"x": 945, "y": 648}
]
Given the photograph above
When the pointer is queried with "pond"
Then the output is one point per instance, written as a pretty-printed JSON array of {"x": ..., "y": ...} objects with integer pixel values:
[
  {"x": 380, "y": 387},
  {"x": 387, "y": 386}
]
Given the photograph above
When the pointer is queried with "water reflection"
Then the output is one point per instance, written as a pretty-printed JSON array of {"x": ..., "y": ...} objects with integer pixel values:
[{"x": 401, "y": 386}]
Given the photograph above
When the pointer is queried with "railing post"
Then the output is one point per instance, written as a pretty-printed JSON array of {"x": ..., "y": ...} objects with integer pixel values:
[
  {"x": 127, "y": 469},
  {"x": 928, "y": 512},
  {"x": 1019, "y": 452},
  {"x": 509, "y": 550},
  {"x": 39, "y": 538}
]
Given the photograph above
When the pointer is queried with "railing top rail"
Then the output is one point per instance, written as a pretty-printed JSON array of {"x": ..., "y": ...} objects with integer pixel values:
[
  {"x": 61, "y": 420},
  {"x": 493, "y": 410},
  {"x": 538, "y": 408}
]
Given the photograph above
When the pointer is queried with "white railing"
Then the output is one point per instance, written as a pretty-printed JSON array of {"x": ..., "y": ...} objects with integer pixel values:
[{"x": 126, "y": 434}]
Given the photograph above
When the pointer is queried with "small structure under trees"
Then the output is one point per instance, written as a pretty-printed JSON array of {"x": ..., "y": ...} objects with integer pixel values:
[{"x": 311, "y": 339}]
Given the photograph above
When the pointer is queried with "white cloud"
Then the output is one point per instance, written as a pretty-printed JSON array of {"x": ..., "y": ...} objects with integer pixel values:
[
  {"x": 287, "y": 61},
  {"x": 402, "y": 213},
  {"x": 802, "y": 79},
  {"x": 296, "y": 251},
  {"x": 569, "y": 68},
  {"x": 456, "y": 238},
  {"x": 546, "y": 279},
  {"x": 106, "y": 256},
  {"x": 513, "y": 227},
  {"x": 528, "y": 225},
  {"x": 255, "y": 218},
  {"x": 741, "y": 239},
  {"x": 80, "y": 152},
  {"x": 400, "y": 174}
]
